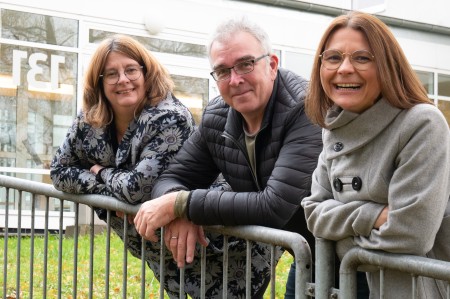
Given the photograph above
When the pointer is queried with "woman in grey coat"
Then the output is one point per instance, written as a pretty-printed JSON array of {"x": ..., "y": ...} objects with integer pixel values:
[{"x": 382, "y": 180}]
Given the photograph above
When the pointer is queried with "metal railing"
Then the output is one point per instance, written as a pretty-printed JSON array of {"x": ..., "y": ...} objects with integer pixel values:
[{"x": 322, "y": 288}]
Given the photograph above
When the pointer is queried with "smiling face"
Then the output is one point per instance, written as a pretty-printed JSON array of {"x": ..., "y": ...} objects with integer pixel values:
[
  {"x": 351, "y": 89},
  {"x": 247, "y": 93},
  {"x": 126, "y": 95}
]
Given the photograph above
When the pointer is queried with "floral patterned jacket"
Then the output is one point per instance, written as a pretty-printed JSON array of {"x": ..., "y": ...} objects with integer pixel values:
[{"x": 149, "y": 144}]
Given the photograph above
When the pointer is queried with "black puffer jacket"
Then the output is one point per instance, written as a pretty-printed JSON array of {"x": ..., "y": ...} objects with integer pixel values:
[{"x": 286, "y": 152}]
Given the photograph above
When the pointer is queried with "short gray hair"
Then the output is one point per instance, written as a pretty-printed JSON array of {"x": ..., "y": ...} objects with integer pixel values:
[{"x": 228, "y": 28}]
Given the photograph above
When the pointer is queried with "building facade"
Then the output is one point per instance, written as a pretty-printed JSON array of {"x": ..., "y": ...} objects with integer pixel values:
[{"x": 45, "y": 47}]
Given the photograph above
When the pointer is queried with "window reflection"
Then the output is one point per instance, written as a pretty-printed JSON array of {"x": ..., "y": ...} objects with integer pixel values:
[
  {"x": 444, "y": 106},
  {"x": 37, "y": 96},
  {"x": 444, "y": 85},
  {"x": 24, "y": 26},
  {"x": 8, "y": 108},
  {"x": 155, "y": 44},
  {"x": 193, "y": 92},
  {"x": 427, "y": 79}
]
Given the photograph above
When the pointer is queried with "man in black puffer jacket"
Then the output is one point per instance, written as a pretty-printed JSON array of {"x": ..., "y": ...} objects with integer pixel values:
[{"x": 257, "y": 136}]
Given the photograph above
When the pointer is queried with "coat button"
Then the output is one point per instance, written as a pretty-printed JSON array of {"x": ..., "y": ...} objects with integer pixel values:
[
  {"x": 338, "y": 146},
  {"x": 337, "y": 184},
  {"x": 356, "y": 183}
]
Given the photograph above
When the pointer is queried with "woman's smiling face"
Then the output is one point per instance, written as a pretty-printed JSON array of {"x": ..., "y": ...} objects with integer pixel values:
[
  {"x": 125, "y": 95},
  {"x": 349, "y": 88}
]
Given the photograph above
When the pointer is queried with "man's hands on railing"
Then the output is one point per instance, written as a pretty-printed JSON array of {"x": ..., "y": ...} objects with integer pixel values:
[
  {"x": 181, "y": 236},
  {"x": 154, "y": 214}
]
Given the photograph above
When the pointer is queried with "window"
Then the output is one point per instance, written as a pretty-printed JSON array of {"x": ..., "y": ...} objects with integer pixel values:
[
  {"x": 441, "y": 96},
  {"x": 36, "y": 85},
  {"x": 427, "y": 80},
  {"x": 24, "y": 26},
  {"x": 444, "y": 85},
  {"x": 299, "y": 63},
  {"x": 444, "y": 106},
  {"x": 156, "y": 45},
  {"x": 192, "y": 92}
]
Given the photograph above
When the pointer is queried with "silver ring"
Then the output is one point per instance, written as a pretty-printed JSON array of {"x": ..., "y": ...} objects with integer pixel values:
[{"x": 174, "y": 237}]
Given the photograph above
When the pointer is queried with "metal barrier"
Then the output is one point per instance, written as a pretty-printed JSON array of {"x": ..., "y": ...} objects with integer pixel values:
[
  {"x": 322, "y": 288},
  {"x": 296, "y": 243}
]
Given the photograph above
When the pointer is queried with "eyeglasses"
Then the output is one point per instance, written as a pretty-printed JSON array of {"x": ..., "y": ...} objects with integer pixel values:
[
  {"x": 240, "y": 68},
  {"x": 332, "y": 59},
  {"x": 132, "y": 73}
]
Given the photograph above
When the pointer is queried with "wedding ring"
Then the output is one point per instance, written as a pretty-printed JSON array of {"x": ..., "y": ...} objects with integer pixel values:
[{"x": 174, "y": 237}]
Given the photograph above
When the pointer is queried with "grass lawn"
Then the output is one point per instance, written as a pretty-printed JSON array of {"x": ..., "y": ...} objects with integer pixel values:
[{"x": 98, "y": 288}]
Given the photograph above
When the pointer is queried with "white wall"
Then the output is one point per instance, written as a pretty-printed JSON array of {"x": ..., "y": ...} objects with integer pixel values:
[{"x": 193, "y": 20}]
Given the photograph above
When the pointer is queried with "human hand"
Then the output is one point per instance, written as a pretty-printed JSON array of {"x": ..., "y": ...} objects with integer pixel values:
[
  {"x": 181, "y": 236},
  {"x": 382, "y": 218},
  {"x": 154, "y": 214},
  {"x": 130, "y": 218},
  {"x": 96, "y": 168}
]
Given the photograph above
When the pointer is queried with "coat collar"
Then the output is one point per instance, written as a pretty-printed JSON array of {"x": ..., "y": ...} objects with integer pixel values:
[{"x": 354, "y": 130}]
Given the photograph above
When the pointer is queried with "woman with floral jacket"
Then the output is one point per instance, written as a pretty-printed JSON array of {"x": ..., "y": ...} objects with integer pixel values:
[{"x": 130, "y": 128}]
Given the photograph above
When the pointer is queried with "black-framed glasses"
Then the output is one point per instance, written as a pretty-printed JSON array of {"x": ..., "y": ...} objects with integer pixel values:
[
  {"x": 240, "y": 68},
  {"x": 332, "y": 59},
  {"x": 132, "y": 73}
]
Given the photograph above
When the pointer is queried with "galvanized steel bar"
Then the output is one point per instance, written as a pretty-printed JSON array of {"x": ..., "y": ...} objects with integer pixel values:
[
  {"x": 60, "y": 243},
  {"x": 91, "y": 255},
  {"x": 125, "y": 257},
  {"x": 182, "y": 274},
  {"x": 225, "y": 267},
  {"x": 108, "y": 252},
  {"x": 417, "y": 265},
  {"x": 202, "y": 274},
  {"x": 143, "y": 264},
  {"x": 324, "y": 281},
  {"x": 272, "y": 272},
  {"x": 45, "y": 246},
  {"x": 248, "y": 270},
  {"x": 75, "y": 252},
  {"x": 33, "y": 222},
  {"x": 5, "y": 245},
  {"x": 414, "y": 287},
  {"x": 92, "y": 200},
  {"x": 162, "y": 272},
  {"x": 299, "y": 247},
  {"x": 19, "y": 241},
  {"x": 298, "y": 281}
]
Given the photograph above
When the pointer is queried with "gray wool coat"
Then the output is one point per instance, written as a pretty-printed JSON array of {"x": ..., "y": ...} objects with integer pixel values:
[{"x": 385, "y": 156}]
